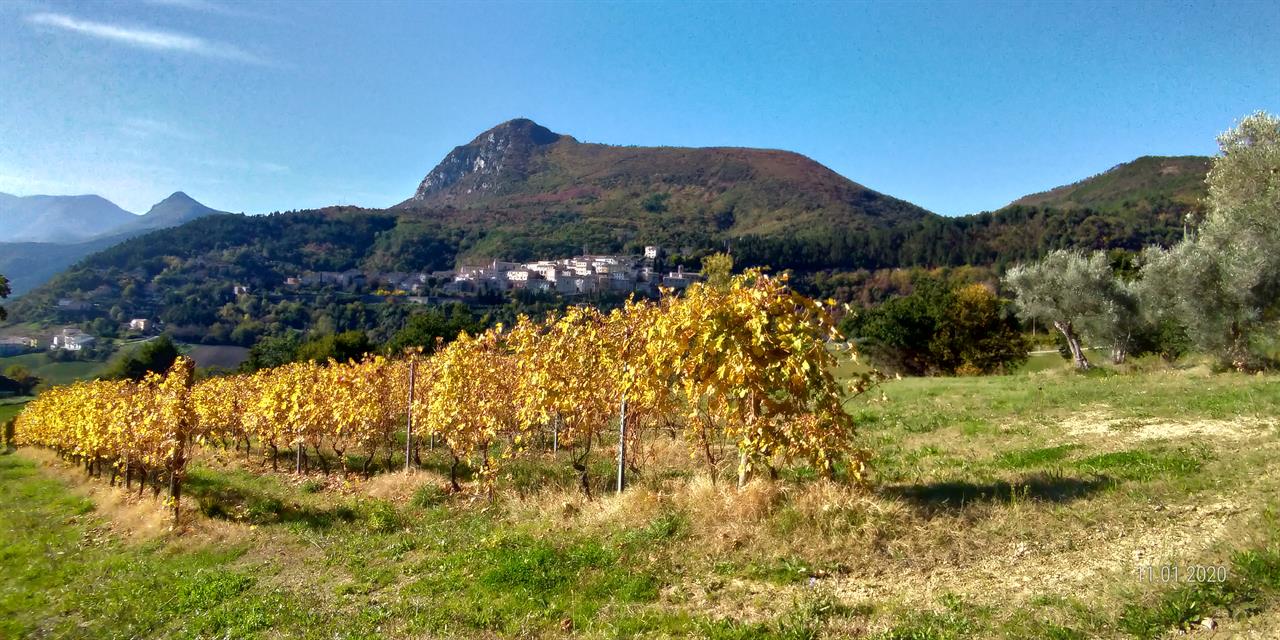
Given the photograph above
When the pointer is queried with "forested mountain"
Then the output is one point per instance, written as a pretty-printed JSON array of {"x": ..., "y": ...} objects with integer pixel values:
[
  {"x": 1148, "y": 182},
  {"x": 72, "y": 227},
  {"x": 526, "y": 191},
  {"x": 30, "y": 264},
  {"x": 520, "y": 192}
]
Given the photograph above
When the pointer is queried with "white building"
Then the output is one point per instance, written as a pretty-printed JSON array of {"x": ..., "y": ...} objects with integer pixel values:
[
  {"x": 72, "y": 340},
  {"x": 140, "y": 324}
]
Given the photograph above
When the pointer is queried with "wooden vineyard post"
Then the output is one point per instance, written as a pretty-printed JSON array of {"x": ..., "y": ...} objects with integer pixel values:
[{"x": 408, "y": 433}]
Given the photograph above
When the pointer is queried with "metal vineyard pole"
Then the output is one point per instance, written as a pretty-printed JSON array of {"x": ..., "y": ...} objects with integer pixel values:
[
  {"x": 622, "y": 445},
  {"x": 408, "y": 434}
]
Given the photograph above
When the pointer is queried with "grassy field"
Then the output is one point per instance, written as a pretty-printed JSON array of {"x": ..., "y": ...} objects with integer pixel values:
[
  {"x": 1022, "y": 506},
  {"x": 53, "y": 372},
  {"x": 10, "y": 407}
]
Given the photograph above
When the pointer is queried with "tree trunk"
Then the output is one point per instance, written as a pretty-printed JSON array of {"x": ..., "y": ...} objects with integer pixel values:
[
  {"x": 453, "y": 473},
  {"x": 580, "y": 465},
  {"x": 1120, "y": 349},
  {"x": 324, "y": 466},
  {"x": 342, "y": 459},
  {"x": 1238, "y": 349},
  {"x": 706, "y": 450},
  {"x": 1073, "y": 343},
  {"x": 1119, "y": 354},
  {"x": 175, "y": 492}
]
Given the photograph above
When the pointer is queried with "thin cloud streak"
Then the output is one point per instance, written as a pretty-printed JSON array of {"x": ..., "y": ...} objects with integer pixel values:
[
  {"x": 153, "y": 40},
  {"x": 246, "y": 166},
  {"x": 147, "y": 128},
  {"x": 207, "y": 7},
  {"x": 193, "y": 5}
]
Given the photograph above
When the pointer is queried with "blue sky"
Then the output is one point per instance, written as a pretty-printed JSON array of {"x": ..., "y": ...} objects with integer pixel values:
[{"x": 958, "y": 107}]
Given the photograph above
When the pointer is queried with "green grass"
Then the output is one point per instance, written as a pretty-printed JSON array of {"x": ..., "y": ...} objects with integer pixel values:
[
  {"x": 52, "y": 372},
  {"x": 1142, "y": 465},
  {"x": 1253, "y": 582},
  {"x": 457, "y": 571},
  {"x": 966, "y": 469},
  {"x": 65, "y": 576},
  {"x": 1034, "y": 457},
  {"x": 9, "y": 410}
]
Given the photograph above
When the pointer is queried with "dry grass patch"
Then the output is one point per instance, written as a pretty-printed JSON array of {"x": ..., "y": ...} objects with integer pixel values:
[{"x": 399, "y": 486}]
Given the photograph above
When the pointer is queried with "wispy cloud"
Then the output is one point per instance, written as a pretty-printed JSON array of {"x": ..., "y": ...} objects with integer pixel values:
[
  {"x": 148, "y": 128},
  {"x": 205, "y": 6},
  {"x": 246, "y": 166},
  {"x": 193, "y": 5},
  {"x": 150, "y": 39}
]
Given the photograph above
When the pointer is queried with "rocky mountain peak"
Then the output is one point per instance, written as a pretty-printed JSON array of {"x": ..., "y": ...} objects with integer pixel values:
[{"x": 496, "y": 157}]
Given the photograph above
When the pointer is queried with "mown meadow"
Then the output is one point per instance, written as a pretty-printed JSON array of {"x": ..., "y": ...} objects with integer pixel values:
[{"x": 1017, "y": 506}]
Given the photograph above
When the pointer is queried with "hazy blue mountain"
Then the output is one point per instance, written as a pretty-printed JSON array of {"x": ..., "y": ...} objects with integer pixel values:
[
  {"x": 37, "y": 257},
  {"x": 64, "y": 219},
  {"x": 177, "y": 209}
]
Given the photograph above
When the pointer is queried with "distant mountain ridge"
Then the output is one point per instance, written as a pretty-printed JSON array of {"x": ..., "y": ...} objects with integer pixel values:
[
  {"x": 54, "y": 232},
  {"x": 76, "y": 219},
  {"x": 178, "y": 208},
  {"x": 521, "y": 191},
  {"x": 66, "y": 219},
  {"x": 524, "y": 171}
]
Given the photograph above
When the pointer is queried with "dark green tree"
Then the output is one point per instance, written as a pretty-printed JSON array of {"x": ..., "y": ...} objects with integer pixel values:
[
  {"x": 423, "y": 329},
  {"x": 153, "y": 356},
  {"x": 4, "y": 293},
  {"x": 25, "y": 380},
  {"x": 940, "y": 329},
  {"x": 272, "y": 351},
  {"x": 348, "y": 345}
]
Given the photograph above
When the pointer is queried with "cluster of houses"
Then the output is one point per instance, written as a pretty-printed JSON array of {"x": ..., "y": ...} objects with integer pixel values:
[
  {"x": 570, "y": 276},
  {"x": 68, "y": 339},
  {"x": 584, "y": 274}
]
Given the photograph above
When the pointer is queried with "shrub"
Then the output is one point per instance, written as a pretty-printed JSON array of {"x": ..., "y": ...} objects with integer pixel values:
[{"x": 382, "y": 517}]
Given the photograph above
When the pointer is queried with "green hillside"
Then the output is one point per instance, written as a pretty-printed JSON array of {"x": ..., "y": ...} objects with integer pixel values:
[
  {"x": 521, "y": 192},
  {"x": 1148, "y": 182},
  {"x": 528, "y": 191}
]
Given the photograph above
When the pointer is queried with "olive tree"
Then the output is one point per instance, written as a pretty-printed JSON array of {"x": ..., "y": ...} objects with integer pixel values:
[
  {"x": 1223, "y": 283},
  {"x": 1117, "y": 320},
  {"x": 1071, "y": 290}
]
